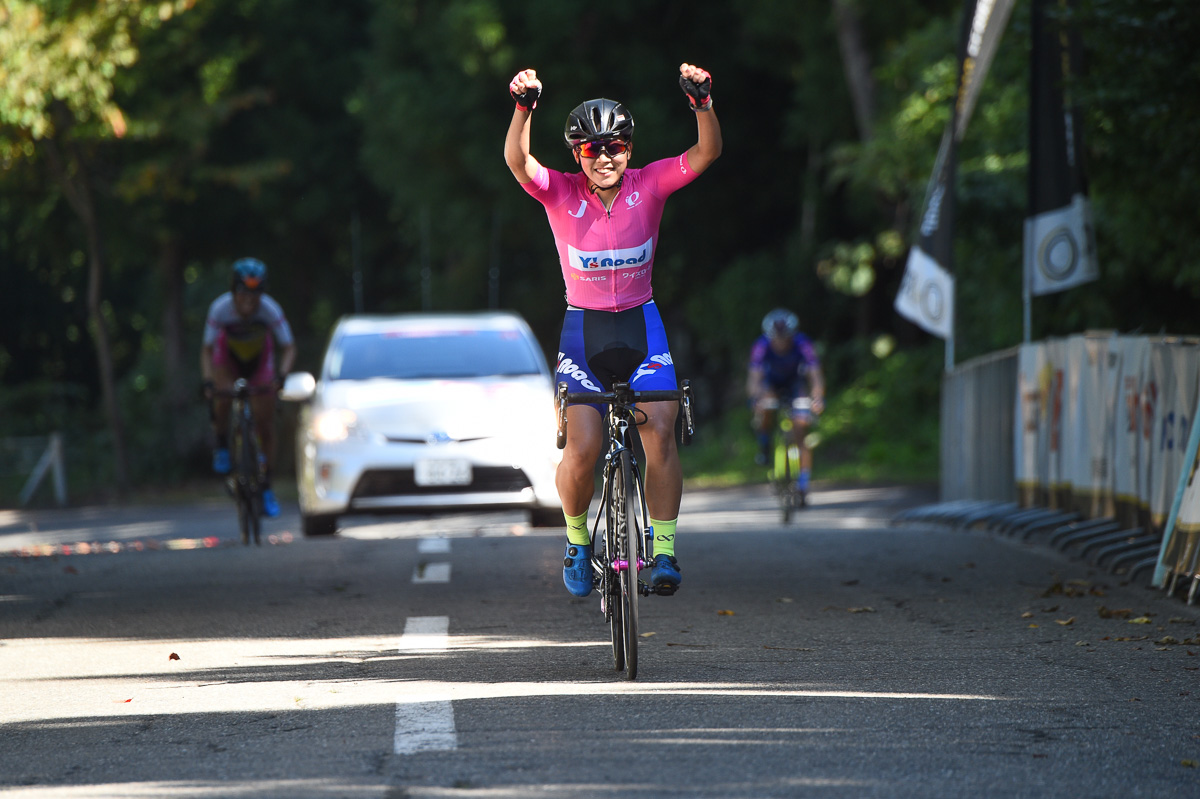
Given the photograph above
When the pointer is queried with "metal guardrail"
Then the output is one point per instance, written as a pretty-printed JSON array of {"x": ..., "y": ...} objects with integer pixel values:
[{"x": 978, "y": 407}]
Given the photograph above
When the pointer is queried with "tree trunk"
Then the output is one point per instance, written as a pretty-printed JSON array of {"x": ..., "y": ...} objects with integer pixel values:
[
  {"x": 857, "y": 63},
  {"x": 73, "y": 179}
]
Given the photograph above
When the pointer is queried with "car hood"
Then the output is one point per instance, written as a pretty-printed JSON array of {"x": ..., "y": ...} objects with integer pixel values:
[{"x": 443, "y": 410}]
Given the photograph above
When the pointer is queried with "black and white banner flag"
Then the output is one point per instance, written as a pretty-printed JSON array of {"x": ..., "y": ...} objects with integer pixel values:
[
  {"x": 926, "y": 294},
  {"x": 1060, "y": 250}
]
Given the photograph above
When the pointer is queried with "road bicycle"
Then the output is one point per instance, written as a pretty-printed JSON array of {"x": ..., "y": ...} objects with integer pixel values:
[
  {"x": 626, "y": 545},
  {"x": 785, "y": 462},
  {"x": 247, "y": 480}
]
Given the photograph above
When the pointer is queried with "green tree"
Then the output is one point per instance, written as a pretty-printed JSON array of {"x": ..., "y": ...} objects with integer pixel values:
[{"x": 57, "y": 64}]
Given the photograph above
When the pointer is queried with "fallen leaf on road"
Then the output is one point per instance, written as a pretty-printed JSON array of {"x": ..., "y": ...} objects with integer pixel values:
[
  {"x": 1034, "y": 626},
  {"x": 1166, "y": 639},
  {"x": 1111, "y": 613},
  {"x": 1140, "y": 620},
  {"x": 1065, "y": 622},
  {"x": 173, "y": 656},
  {"x": 784, "y": 599},
  {"x": 1027, "y": 614},
  {"x": 70, "y": 570},
  {"x": 864, "y": 609},
  {"x": 647, "y": 635},
  {"x": 1189, "y": 763},
  {"x": 724, "y": 612}
]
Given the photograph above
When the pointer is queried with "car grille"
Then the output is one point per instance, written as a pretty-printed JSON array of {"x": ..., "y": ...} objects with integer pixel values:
[{"x": 390, "y": 482}]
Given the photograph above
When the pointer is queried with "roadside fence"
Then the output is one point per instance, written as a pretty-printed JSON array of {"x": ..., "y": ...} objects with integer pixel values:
[{"x": 1087, "y": 442}]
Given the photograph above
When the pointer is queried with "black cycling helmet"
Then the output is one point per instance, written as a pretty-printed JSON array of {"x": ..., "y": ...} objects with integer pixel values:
[
  {"x": 598, "y": 119},
  {"x": 780, "y": 322},
  {"x": 249, "y": 272}
]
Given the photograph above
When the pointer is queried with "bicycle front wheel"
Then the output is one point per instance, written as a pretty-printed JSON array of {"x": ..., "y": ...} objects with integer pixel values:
[
  {"x": 630, "y": 537},
  {"x": 610, "y": 583},
  {"x": 783, "y": 474}
]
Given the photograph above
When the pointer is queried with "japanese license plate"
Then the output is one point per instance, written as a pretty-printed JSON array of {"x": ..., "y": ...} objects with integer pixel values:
[{"x": 442, "y": 472}]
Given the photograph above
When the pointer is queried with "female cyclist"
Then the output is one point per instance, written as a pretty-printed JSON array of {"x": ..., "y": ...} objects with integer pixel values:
[{"x": 605, "y": 221}]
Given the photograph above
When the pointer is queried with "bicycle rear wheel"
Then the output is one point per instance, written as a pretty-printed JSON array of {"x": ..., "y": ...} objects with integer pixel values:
[
  {"x": 628, "y": 544},
  {"x": 610, "y": 583}
]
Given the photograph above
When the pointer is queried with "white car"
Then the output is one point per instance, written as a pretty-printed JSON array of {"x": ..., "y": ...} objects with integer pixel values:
[{"x": 426, "y": 412}]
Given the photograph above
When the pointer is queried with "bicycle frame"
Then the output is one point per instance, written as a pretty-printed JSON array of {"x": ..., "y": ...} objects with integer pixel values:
[
  {"x": 787, "y": 462},
  {"x": 627, "y": 535}
]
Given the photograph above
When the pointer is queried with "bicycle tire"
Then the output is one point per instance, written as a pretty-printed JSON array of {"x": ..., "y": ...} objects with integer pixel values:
[
  {"x": 249, "y": 479},
  {"x": 785, "y": 485},
  {"x": 609, "y": 581},
  {"x": 630, "y": 536},
  {"x": 238, "y": 482},
  {"x": 254, "y": 481}
]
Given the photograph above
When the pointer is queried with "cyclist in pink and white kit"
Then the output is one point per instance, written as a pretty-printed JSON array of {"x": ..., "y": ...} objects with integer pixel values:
[
  {"x": 605, "y": 220},
  {"x": 243, "y": 328}
]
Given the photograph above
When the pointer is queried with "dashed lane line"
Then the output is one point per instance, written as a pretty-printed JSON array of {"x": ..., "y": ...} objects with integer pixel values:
[{"x": 425, "y": 726}]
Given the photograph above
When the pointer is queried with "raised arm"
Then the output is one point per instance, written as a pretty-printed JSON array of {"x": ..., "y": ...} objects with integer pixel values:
[
  {"x": 525, "y": 90},
  {"x": 697, "y": 85}
]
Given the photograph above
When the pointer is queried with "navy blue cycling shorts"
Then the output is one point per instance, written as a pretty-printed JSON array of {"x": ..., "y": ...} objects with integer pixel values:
[{"x": 599, "y": 348}]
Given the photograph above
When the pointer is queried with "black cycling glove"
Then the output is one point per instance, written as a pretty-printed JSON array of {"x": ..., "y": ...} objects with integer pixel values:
[
  {"x": 698, "y": 94},
  {"x": 528, "y": 100}
]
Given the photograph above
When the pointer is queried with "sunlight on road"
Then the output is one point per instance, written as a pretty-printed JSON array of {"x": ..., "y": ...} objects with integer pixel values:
[{"x": 123, "y": 678}]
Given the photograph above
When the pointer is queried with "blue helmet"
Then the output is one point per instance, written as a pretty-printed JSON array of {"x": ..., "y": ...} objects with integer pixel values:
[
  {"x": 249, "y": 272},
  {"x": 780, "y": 322}
]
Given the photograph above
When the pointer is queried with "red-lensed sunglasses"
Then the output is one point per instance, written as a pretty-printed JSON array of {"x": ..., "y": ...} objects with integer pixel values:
[{"x": 610, "y": 147}]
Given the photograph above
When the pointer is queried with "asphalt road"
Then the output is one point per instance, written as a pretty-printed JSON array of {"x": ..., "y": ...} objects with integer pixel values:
[{"x": 442, "y": 657}]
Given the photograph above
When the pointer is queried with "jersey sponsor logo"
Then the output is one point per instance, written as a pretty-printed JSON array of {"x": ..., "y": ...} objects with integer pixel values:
[
  {"x": 567, "y": 367},
  {"x": 634, "y": 200},
  {"x": 582, "y": 207},
  {"x": 656, "y": 362},
  {"x": 682, "y": 164},
  {"x": 610, "y": 259}
]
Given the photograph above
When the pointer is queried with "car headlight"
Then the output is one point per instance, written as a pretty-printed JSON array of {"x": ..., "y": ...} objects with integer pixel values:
[{"x": 336, "y": 424}]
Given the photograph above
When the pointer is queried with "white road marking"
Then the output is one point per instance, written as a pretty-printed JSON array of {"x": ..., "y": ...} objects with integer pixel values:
[
  {"x": 431, "y": 573},
  {"x": 423, "y": 726},
  {"x": 433, "y": 545}
]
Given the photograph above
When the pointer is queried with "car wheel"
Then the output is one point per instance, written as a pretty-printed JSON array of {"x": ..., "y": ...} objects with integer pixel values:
[
  {"x": 546, "y": 517},
  {"x": 318, "y": 525}
]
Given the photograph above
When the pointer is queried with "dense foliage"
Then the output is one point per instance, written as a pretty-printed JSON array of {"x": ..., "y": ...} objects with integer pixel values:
[{"x": 355, "y": 146}]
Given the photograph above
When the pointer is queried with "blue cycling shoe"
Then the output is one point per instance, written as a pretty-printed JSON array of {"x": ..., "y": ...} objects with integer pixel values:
[
  {"x": 665, "y": 574},
  {"x": 269, "y": 503},
  {"x": 802, "y": 482},
  {"x": 577, "y": 569},
  {"x": 221, "y": 462}
]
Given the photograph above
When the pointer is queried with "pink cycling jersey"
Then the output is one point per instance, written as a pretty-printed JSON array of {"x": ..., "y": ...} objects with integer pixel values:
[{"x": 607, "y": 257}]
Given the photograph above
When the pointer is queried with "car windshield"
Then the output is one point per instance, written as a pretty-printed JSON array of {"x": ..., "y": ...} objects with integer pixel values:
[{"x": 415, "y": 354}]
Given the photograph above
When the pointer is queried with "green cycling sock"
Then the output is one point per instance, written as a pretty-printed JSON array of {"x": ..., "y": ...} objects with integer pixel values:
[
  {"x": 577, "y": 529},
  {"x": 664, "y": 536}
]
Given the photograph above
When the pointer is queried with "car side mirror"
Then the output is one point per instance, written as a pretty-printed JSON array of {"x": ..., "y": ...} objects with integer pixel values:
[{"x": 298, "y": 387}]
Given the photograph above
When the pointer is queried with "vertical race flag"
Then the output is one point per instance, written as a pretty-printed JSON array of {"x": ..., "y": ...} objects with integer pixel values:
[
  {"x": 1060, "y": 250},
  {"x": 926, "y": 294}
]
